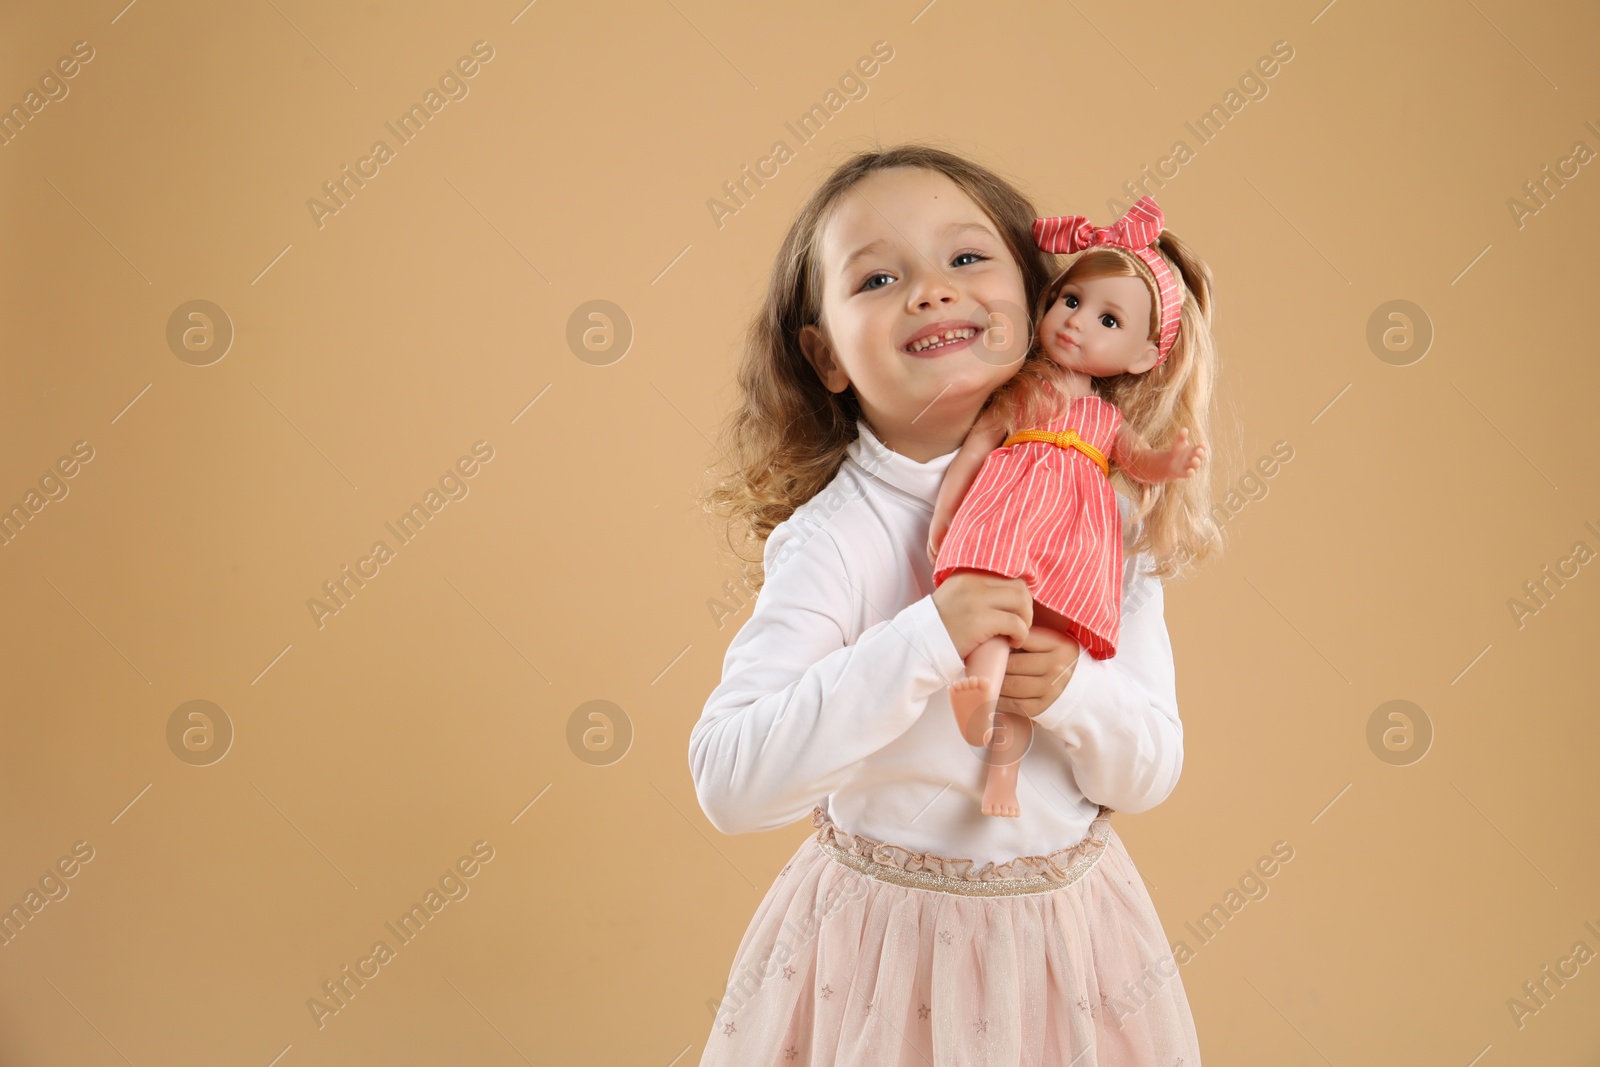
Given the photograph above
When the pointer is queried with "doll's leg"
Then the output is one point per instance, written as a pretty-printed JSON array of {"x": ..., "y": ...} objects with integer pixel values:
[
  {"x": 1012, "y": 735},
  {"x": 973, "y": 697}
]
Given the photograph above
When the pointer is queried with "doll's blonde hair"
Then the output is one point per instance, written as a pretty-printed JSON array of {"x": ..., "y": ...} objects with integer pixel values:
[{"x": 1176, "y": 526}]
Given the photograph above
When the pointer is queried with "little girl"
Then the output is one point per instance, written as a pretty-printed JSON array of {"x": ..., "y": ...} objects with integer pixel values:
[
  {"x": 1029, "y": 493},
  {"x": 908, "y": 929}
]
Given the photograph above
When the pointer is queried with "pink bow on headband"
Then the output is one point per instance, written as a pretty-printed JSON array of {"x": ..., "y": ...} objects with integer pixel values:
[{"x": 1135, "y": 232}]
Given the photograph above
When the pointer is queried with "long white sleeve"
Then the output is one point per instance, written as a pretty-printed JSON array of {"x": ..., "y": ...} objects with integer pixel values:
[
  {"x": 1119, "y": 716},
  {"x": 800, "y": 704}
]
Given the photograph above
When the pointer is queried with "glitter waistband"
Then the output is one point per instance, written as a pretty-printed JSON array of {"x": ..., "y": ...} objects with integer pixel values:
[{"x": 942, "y": 874}]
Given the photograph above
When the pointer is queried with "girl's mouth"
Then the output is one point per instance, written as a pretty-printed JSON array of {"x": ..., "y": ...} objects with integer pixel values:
[{"x": 943, "y": 341}]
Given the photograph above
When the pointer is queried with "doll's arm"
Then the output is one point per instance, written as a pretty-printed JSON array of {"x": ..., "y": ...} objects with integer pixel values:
[
  {"x": 981, "y": 440},
  {"x": 1145, "y": 464}
]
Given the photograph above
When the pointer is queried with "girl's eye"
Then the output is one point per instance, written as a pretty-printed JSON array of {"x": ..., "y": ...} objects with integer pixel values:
[{"x": 956, "y": 262}]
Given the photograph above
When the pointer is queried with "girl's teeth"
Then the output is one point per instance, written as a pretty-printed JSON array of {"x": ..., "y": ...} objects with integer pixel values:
[{"x": 939, "y": 341}]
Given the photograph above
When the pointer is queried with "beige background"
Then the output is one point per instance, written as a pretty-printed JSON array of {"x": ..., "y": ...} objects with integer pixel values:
[{"x": 433, "y": 710}]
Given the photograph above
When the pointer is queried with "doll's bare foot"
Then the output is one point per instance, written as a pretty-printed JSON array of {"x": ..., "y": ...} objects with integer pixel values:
[
  {"x": 1000, "y": 791},
  {"x": 974, "y": 706}
]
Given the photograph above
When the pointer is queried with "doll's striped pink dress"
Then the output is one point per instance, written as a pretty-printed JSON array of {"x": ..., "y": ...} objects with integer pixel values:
[{"x": 1047, "y": 514}]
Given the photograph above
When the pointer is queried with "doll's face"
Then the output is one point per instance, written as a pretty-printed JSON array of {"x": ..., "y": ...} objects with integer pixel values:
[{"x": 1098, "y": 326}]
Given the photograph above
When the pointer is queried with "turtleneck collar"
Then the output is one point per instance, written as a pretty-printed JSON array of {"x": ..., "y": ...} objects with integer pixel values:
[{"x": 921, "y": 480}]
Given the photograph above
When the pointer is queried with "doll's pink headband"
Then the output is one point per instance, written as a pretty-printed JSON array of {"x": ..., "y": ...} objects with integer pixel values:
[{"x": 1135, "y": 232}]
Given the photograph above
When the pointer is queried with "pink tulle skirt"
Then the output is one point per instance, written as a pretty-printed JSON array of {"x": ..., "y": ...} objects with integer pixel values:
[{"x": 870, "y": 955}]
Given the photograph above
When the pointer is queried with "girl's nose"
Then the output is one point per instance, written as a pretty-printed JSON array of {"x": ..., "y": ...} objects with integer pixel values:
[{"x": 932, "y": 287}]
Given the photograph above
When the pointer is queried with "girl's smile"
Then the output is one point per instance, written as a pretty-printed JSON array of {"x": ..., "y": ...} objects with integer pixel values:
[{"x": 942, "y": 337}]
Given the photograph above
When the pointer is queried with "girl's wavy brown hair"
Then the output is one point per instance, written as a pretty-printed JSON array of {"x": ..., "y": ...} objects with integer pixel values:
[
  {"x": 787, "y": 436},
  {"x": 1176, "y": 524}
]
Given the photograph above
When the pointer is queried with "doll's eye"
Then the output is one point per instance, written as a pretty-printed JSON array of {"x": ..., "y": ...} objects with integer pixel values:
[
  {"x": 1109, "y": 321},
  {"x": 1070, "y": 300}
]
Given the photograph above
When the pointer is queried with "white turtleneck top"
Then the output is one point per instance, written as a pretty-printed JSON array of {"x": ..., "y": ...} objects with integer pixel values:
[{"x": 835, "y": 690}]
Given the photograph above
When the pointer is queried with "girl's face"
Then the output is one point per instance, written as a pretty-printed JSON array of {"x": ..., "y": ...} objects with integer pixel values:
[
  {"x": 1097, "y": 326},
  {"x": 923, "y": 308}
]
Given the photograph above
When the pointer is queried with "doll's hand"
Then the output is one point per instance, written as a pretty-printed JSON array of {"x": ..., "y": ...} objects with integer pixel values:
[
  {"x": 1182, "y": 459},
  {"x": 1038, "y": 672}
]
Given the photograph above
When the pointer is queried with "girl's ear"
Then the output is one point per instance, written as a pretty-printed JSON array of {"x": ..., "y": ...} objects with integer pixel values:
[{"x": 819, "y": 353}]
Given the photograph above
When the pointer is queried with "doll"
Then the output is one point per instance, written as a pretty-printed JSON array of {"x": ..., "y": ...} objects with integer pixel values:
[{"x": 1028, "y": 495}]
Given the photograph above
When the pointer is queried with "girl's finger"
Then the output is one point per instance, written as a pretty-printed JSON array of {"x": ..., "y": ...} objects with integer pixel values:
[
  {"x": 1024, "y": 601},
  {"x": 1043, "y": 641},
  {"x": 1025, "y": 664},
  {"x": 1020, "y": 688}
]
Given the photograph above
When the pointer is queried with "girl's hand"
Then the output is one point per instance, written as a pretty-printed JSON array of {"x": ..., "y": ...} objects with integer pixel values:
[
  {"x": 1182, "y": 459},
  {"x": 976, "y": 605},
  {"x": 1037, "y": 673}
]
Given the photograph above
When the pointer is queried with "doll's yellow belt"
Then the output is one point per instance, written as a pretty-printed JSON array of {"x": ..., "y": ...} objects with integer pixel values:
[{"x": 1066, "y": 439}]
